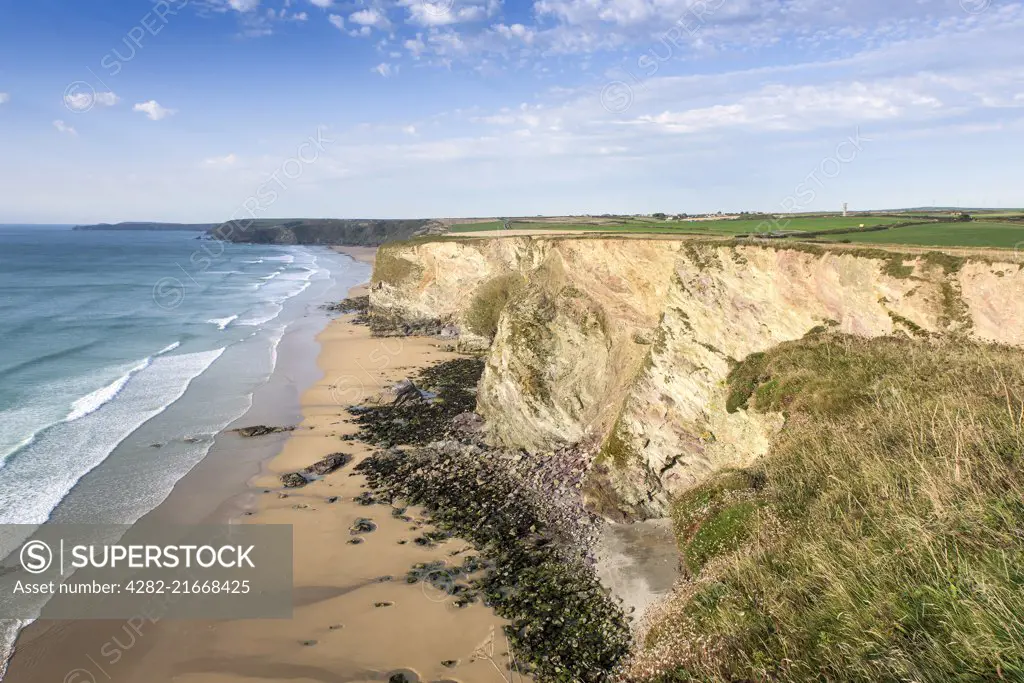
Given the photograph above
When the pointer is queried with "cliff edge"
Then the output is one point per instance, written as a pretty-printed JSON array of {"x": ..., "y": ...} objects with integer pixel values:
[{"x": 624, "y": 345}]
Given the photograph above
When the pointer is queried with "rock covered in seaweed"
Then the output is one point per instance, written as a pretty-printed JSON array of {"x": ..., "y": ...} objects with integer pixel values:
[
  {"x": 534, "y": 570},
  {"x": 422, "y": 410},
  {"x": 260, "y": 430},
  {"x": 321, "y": 467}
]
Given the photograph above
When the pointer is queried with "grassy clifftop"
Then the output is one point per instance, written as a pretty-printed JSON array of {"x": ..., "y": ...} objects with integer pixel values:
[{"x": 880, "y": 539}]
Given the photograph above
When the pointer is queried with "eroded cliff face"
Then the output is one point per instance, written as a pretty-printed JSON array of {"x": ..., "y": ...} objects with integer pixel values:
[{"x": 624, "y": 344}]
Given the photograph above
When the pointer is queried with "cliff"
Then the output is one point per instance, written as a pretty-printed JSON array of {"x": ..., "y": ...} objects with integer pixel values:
[
  {"x": 624, "y": 345},
  {"x": 366, "y": 233}
]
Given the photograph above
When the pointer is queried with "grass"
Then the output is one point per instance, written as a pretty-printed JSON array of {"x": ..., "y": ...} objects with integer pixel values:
[
  {"x": 393, "y": 269},
  {"x": 488, "y": 302},
  {"x": 880, "y": 539},
  {"x": 474, "y": 227},
  {"x": 713, "y": 227},
  {"x": 983, "y": 232},
  {"x": 973, "y": 234}
]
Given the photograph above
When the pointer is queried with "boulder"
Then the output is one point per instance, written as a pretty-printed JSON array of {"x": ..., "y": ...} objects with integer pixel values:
[
  {"x": 293, "y": 480},
  {"x": 406, "y": 391},
  {"x": 328, "y": 464},
  {"x": 468, "y": 423},
  {"x": 261, "y": 430}
]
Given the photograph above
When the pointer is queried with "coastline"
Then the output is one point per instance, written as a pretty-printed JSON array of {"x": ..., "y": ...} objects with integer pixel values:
[
  {"x": 361, "y": 254},
  {"x": 338, "y": 633}
]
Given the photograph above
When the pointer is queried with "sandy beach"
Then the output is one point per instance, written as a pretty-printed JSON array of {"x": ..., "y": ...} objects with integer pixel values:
[{"x": 355, "y": 617}]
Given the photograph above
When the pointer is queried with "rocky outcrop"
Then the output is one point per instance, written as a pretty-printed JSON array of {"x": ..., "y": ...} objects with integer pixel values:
[
  {"x": 623, "y": 345},
  {"x": 261, "y": 430},
  {"x": 320, "y": 468}
]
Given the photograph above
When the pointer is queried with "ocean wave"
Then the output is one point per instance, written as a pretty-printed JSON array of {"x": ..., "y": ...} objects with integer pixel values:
[
  {"x": 27, "y": 441},
  {"x": 264, "y": 318},
  {"x": 32, "y": 487},
  {"x": 222, "y": 323},
  {"x": 306, "y": 274},
  {"x": 97, "y": 399},
  {"x": 49, "y": 357},
  {"x": 35, "y": 480},
  {"x": 85, "y": 405},
  {"x": 259, "y": 260}
]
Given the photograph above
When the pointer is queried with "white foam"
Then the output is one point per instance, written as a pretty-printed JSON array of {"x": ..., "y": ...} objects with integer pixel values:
[
  {"x": 259, "y": 260},
  {"x": 17, "y": 447},
  {"x": 43, "y": 473},
  {"x": 97, "y": 399},
  {"x": 274, "y": 307},
  {"x": 38, "y": 417},
  {"x": 222, "y": 323},
  {"x": 275, "y": 310},
  {"x": 271, "y": 276}
]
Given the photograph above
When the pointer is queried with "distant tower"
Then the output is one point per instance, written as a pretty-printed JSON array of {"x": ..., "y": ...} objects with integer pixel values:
[{"x": 845, "y": 207}]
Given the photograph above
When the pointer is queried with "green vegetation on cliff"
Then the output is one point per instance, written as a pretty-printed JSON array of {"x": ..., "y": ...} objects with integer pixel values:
[
  {"x": 879, "y": 540},
  {"x": 489, "y": 300},
  {"x": 391, "y": 268}
]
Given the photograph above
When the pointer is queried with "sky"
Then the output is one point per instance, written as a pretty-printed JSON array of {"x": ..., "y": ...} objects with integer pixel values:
[{"x": 205, "y": 110}]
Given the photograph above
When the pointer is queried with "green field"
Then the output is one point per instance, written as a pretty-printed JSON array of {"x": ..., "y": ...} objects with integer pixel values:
[
  {"x": 974, "y": 234},
  {"x": 716, "y": 227},
  {"x": 1015, "y": 213}
]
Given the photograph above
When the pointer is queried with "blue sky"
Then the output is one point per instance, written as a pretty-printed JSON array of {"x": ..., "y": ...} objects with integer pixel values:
[{"x": 202, "y": 110}]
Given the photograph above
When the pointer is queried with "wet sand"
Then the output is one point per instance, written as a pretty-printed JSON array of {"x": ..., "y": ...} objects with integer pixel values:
[{"x": 338, "y": 632}]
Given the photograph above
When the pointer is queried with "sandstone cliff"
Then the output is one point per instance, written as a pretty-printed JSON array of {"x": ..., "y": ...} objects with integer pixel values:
[{"x": 624, "y": 344}]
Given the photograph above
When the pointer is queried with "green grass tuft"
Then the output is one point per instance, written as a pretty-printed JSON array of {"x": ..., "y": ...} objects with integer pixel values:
[
  {"x": 883, "y": 541},
  {"x": 392, "y": 269},
  {"x": 489, "y": 300}
]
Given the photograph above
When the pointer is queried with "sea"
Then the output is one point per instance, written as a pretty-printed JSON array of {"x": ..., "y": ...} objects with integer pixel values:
[{"x": 127, "y": 352}]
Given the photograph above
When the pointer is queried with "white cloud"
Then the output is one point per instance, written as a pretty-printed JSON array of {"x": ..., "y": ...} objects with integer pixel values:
[
  {"x": 282, "y": 15},
  {"x": 221, "y": 162},
  {"x": 64, "y": 128},
  {"x": 243, "y": 5},
  {"x": 515, "y": 31},
  {"x": 79, "y": 101},
  {"x": 445, "y": 12},
  {"x": 154, "y": 110},
  {"x": 4, "y": 98},
  {"x": 385, "y": 69},
  {"x": 106, "y": 99},
  {"x": 370, "y": 17},
  {"x": 778, "y": 107},
  {"x": 322, "y": 3},
  {"x": 337, "y": 21},
  {"x": 409, "y": 130},
  {"x": 84, "y": 101},
  {"x": 415, "y": 45}
]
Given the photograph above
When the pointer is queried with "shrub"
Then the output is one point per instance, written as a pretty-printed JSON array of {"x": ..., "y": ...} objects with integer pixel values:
[
  {"x": 393, "y": 269},
  {"x": 488, "y": 302}
]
